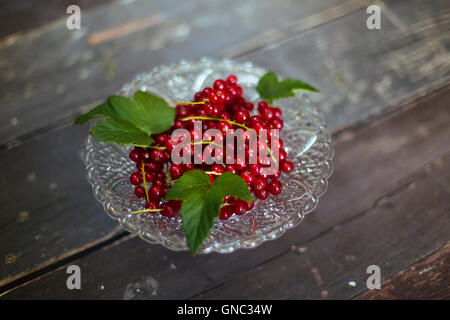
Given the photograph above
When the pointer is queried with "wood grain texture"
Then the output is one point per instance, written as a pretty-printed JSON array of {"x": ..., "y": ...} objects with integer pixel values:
[
  {"x": 52, "y": 74},
  {"x": 333, "y": 266},
  {"x": 25, "y": 15},
  {"x": 427, "y": 279},
  {"x": 390, "y": 185},
  {"x": 365, "y": 72},
  {"x": 48, "y": 210}
]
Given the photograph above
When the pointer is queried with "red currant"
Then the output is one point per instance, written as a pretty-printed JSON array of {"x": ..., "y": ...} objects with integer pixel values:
[
  {"x": 139, "y": 191},
  {"x": 136, "y": 179},
  {"x": 275, "y": 187},
  {"x": 135, "y": 155},
  {"x": 286, "y": 166}
]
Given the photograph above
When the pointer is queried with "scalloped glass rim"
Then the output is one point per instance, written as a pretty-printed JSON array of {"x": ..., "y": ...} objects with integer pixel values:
[{"x": 307, "y": 142}]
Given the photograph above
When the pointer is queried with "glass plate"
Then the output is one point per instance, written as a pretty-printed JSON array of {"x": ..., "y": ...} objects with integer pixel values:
[{"x": 306, "y": 139}]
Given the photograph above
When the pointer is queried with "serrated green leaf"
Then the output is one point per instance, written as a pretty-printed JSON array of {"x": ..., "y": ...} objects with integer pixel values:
[
  {"x": 202, "y": 201},
  {"x": 162, "y": 115},
  {"x": 121, "y": 132},
  {"x": 269, "y": 88}
]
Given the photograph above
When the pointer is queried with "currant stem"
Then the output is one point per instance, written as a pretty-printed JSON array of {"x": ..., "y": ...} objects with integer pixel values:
[
  {"x": 146, "y": 210},
  {"x": 185, "y": 103},
  {"x": 145, "y": 182},
  {"x": 215, "y": 119},
  {"x": 213, "y": 173}
]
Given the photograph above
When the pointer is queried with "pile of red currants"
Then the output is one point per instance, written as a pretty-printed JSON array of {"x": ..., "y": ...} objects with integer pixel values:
[{"x": 222, "y": 107}]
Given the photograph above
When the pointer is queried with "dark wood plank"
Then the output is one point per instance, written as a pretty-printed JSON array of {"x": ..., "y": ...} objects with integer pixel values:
[
  {"x": 25, "y": 15},
  {"x": 363, "y": 72},
  {"x": 50, "y": 75},
  {"x": 374, "y": 164},
  {"x": 427, "y": 279},
  {"x": 48, "y": 208}
]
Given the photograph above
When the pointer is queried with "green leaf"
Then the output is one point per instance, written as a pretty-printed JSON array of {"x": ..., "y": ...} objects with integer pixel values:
[
  {"x": 130, "y": 121},
  {"x": 103, "y": 110},
  {"x": 269, "y": 88},
  {"x": 194, "y": 181},
  {"x": 202, "y": 201},
  {"x": 161, "y": 114},
  {"x": 132, "y": 112},
  {"x": 121, "y": 132},
  {"x": 229, "y": 184}
]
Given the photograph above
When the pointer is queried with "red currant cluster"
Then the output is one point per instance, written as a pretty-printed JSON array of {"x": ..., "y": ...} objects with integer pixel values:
[{"x": 222, "y": 107}]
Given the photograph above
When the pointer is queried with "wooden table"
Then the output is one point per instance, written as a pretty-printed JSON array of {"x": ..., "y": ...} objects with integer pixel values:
[{"x": 385, "y": 95}]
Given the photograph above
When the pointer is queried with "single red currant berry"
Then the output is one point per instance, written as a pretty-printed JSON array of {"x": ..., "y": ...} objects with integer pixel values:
[
  {"x": 199, "y": 96},
  {"x": 266, "y": 113},
  {"x": 277, "y": 113},
  {"x": 167, "y": 210},
  {"x": 239, "y": 166},
  {"x": 262, "y": 104},
  {"x": 139, "y": 191},
  {"x": 255, "y": 169},
  {"x": 255, "y": 119},
  {"x": 276, "y": 124},
  {"x": 207, "y": 90},
  {"x": 241, "y": 116},
  {"x": 259, "y": 183},
  {"x": 247, "y": 176},
  {"x": 225, "y": 116},
  {"x": 232, "y": 79},
  {"x": 152, "y": 205},
  {"x": 219, "y": 84},
  {"x": 275, "y": 187},
  {"x": 230, "y": 168},
  {"x": 218, "y": 168},
  {"x": 152, "y": 167},
  {"x": 262, "y": 194},
  {"x": 161, "y": 139},
  {"x": 136, "y": 179},
  {"x": 178, "y": 124},
  {"x": 282, "y": 155},
  {"x": 149, "y": 176},
  {"x": 183, "y": 111},
  {"x": 225, "y": 213},
  {"x": 286, "y": 166},
  {"x": 249, "y": 106},
  {"x": 156, "y": 192},
  {"x": 157, "y": 155},
  {"x": 276, "y": 175},
  {"x": 188, "y": 167},
  {"x": 223, "y": 126},
  {"x": 239, "y": 90},
  {"x": 249, "y": 205},
  {"x": 239, "y": 207},
  {"x": 175, "y": 171},
  {"x": 135, "y": 155},
  {"x": 213, "y": 98}
]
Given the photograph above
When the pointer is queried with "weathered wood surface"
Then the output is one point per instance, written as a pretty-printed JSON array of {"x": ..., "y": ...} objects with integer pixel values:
[
  {"x": 21, "y": 16},
  {"x": 49, "y": 75},
  {"x": 427, "y": 279},
  {"x": 53, "y": 184},
  {"x": 364, "y": 72},
  {"x": 387, "y": 204},
  {"x": 66, "y": 143}
]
